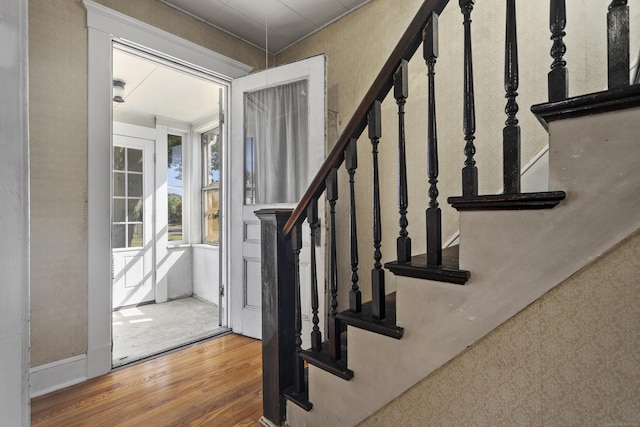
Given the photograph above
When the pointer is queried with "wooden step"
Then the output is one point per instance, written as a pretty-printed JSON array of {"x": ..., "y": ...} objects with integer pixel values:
[
  {"x": 417, "y": 268},
  {"x": 365, "y": 320},
  {"x": 520, "y": 201},
  {"x": 322, "y": 360},
  {"x": 589, "y": 104}
]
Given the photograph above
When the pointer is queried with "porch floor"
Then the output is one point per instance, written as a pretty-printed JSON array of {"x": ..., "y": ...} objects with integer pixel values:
[{"x": 147, "y": 330}]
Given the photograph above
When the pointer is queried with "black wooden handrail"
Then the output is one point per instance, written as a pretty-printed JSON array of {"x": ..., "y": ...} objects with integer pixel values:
[{"x": 404, "y": 50}]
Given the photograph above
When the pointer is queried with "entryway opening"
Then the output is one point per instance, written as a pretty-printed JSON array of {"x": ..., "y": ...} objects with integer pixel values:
[{"x": 166, "y": 205}]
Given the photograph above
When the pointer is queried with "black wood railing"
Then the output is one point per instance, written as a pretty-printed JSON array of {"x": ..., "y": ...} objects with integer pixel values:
[{"x": 378, "y": 315}]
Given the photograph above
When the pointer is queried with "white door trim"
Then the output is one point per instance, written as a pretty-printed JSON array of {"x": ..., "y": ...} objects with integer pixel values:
[
  {"x": 14, "y": 191},
  {"x": 105, "y": 25},
  {"x": 161, "y": 42}
]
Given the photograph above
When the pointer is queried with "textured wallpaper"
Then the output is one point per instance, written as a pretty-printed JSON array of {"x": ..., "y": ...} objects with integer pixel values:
[
  {"x": 569, "y": 359},
  {"x": 58, "y": 174}
]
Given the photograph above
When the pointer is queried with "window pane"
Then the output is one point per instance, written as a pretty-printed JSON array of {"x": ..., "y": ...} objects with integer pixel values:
[
  {"x": 118, "y": 158},
  {"x": 135, "y": 210},
  {"x": 117, "y": 236},
  {"x": 119, "y": 210},
  {"x": 135, "y": 185},
  {"x": 174, "y": 184},
  {"x": 276, "y": 148},
  {"x": 249, "y": 172},
  {"x": 118, "y": 184},
  {"x": 174, "y": 157},
  {"x": 211, "y": 156},
  {"x": 135, "y": 235},
  {"x": 134, "y": 160},
  {"x": 211, "y": 216},
  {"x": 175, "y": 214}
]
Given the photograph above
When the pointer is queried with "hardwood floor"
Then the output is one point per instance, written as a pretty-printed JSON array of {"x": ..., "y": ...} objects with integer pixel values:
[{"x": 216, "y": 383}]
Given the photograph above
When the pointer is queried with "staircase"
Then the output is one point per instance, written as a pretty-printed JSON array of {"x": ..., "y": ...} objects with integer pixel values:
[{"x": 514, "y": 246}]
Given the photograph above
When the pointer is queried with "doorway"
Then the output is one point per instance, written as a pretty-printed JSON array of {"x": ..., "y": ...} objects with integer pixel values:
[
  {"x": 167, "y": 182},
  {"x": 106, "y": 26}
]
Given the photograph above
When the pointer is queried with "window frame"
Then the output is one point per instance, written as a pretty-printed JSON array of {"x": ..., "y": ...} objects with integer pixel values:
[
  {"x": 186, "y": 172},
  {"x": 210, "y": 186}
]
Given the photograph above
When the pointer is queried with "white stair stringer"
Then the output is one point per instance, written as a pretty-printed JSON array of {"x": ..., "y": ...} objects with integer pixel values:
[{"x": 514, "y": 258}]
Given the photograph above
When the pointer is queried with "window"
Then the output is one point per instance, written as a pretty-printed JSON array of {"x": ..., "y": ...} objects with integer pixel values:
[
  {"x": 211, "y": 155},
  {"x": 127, "y": 198},
  {"x": 276, "y": 149},
  {"x": 175, "y": 187}
]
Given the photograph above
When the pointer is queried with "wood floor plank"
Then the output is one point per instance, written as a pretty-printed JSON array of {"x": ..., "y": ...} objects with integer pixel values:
[{"x": 215, "y": 383}]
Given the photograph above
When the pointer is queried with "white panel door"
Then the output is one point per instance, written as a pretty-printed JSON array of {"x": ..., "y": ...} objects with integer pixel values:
[
  {"x": 132, "y": 221},
  {"x": 251, "y": 185}
]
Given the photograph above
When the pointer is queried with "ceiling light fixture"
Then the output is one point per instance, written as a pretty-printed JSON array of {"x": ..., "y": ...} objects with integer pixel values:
[{"x": 118, "y": 90}]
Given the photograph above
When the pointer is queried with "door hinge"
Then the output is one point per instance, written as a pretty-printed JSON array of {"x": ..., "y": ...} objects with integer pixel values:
[
  {"x": 222, "y": 118},
  {"x": 221, "y": 290}
]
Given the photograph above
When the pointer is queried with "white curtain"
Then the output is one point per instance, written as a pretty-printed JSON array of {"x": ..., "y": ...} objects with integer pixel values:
[{"x": 276, "y": 144}]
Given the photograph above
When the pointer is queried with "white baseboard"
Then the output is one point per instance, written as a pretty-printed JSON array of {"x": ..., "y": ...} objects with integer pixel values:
[{"x": 57, "y": 375}]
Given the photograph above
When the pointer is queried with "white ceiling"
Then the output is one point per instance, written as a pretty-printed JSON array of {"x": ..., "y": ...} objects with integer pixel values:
[
  {"x": 278, "y": 23},
  {"x": 154, "y": 89}
]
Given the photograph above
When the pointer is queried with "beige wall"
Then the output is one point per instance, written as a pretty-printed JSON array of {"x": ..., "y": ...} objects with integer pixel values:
[
  {"x": 58, "y": 139},
  {"x": 169, "y": 19},
  {"x": 358, "y": 45},
  {"x": 569, "y": 359},
  {"x": 58, "y": 144}
]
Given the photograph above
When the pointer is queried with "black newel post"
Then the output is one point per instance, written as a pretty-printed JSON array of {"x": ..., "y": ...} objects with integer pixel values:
[
  {"x": 278, "y": 312},
  {"x": 618, "y": 44}
]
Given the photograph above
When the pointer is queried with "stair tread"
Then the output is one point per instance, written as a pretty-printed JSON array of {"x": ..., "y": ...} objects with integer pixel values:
[
  {"x": 322, "y": 360},
  {"x": 588, "y": 104},
  {"x": 520, "y": 201},
  {"x": 365, "y": 320},
  {"x": 417, "y": 268}
]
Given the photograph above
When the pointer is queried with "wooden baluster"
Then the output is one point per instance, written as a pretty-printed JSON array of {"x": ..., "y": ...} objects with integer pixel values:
[
  {"x": 377, "y": 273},
  {"x": 314, "y": 225},
  {"x": 298, "y": 373},
  {"x": 469, "y": 172},
  {"x": 351, "y": 163},
  {"x": 558, "y": 79},
  {"x": 335, "y": 351},
  {"x": 618, "y": 44},
  {"x": 434, "y": 218},
  {"x": 511, "y": 132},
  {"x": 401, "y": 92}
]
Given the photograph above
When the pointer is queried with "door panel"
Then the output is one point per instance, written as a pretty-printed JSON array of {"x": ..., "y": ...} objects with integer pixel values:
[
  {"x": 132, "y": 221},
  {"x": 259, "y": 158}
]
